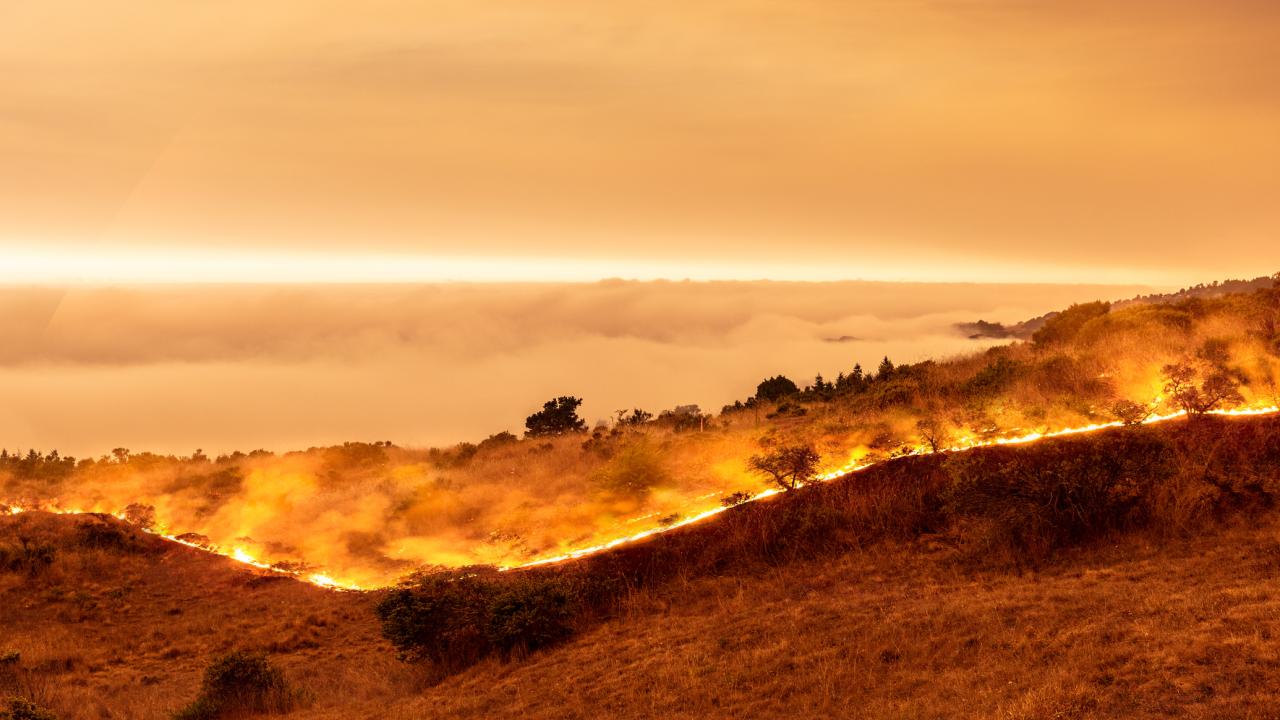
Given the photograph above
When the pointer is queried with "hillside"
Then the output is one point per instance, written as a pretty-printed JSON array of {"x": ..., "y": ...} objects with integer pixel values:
[
  {"x": 1204, "y": 291},
  {"x": 1075, "y": 526},
  {"x": 120, "y": 624},
  {"x": 1151, "y": 599}
]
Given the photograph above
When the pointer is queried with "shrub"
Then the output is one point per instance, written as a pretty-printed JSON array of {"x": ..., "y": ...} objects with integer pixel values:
[
  {"x": 1029, "y": 501},
  {"x": 239, "y": 683},
  {"x": 530, "y": 614},
  {"x": 440, "y": 620},
  {"x": 454, "y": 620},
  {"x": 102, "y": 534},
  {"x": 19, "y": 709}
]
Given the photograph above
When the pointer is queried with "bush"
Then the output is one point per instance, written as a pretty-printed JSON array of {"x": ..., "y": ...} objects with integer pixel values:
[
  {"x": 240, "y": 683},
  {"x": 530, "y": 614},
  {"x": 19, "y": 709},
  {"x": 441, "y": 620},
  {"x": 455, "y": 620},
  {"x": 1029, "y": 501}
]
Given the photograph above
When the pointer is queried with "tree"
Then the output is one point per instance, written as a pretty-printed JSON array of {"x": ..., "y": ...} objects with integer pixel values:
[
  {"x": 885, "y": 371},
  {"x": 1180, "y": 385},
  {"x": 556, "y": 417},
  {"x": 776, "y": 388},
  {"x": 790, "y": 467}
]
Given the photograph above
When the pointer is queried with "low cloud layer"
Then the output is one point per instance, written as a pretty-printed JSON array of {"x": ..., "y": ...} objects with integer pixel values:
[{"x": 221, "y": 368}]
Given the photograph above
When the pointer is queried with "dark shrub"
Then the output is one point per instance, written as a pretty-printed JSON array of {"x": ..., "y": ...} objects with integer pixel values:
[
  {"x": 453, "y": 620},
  {"x": 530, "y": 614},
  {"x": 776, "y": 388},
  {"x": 237, "y": 684},
  {"x": 101, "y": 534},
  {"x": 1029, "y": 501},
  {"x": 442, "y": 619}
]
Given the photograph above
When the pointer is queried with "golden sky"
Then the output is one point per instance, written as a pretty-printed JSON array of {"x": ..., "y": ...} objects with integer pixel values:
[{"x": 1117, "y": 141}]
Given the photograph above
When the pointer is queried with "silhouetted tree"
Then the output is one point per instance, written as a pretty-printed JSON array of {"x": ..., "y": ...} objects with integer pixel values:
[
  {"x": 885, "y": 371},
  {"x": 776, "y": 388},
  {"x": 790, "y": 467},
  {"x": 556, "y": 417}
]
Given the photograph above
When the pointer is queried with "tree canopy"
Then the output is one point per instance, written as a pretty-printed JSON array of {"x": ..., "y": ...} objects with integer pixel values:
[{"x": 556, "y": 417}]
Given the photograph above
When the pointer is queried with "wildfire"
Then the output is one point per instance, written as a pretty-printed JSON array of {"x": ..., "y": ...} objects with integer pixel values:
[
  {"x": 237, "y": 554},
  {"x": 856, "y": 464},
  {"x": 853, "y": 465}
]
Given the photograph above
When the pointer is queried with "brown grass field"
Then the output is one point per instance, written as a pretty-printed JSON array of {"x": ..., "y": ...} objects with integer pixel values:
[{"x": 1136, "y": 623}]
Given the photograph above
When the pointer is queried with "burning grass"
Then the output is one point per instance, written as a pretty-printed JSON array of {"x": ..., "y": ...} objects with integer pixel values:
[{"x": 1012, "y": 506}]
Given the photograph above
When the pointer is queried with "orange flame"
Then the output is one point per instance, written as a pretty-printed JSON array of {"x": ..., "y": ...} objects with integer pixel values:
[{"x": 853, "y": 465}]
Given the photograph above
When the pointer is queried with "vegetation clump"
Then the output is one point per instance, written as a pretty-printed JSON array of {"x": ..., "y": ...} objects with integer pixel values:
[
  {"x": 557, "y": 417},
  {"x": 238, "y": 684},
  {"x": 453, "y": 620}
]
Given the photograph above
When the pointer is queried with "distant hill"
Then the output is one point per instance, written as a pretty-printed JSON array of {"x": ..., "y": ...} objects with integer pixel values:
[{"x": 1025, "y": 329}]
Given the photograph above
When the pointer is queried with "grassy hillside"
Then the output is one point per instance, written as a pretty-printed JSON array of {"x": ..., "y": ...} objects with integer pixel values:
[
  {"x": 1121, "y": 572},
  {"x": 1154, "y": 599}
]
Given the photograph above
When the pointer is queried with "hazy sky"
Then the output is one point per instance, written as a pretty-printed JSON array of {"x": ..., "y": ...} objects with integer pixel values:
[{"x": 1090, "y": 140}]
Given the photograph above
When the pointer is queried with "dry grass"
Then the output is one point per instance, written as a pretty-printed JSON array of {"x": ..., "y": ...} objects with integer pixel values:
[
  {"x": 127, "y": 634},
  {"x": 1138, "y": 628}
]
